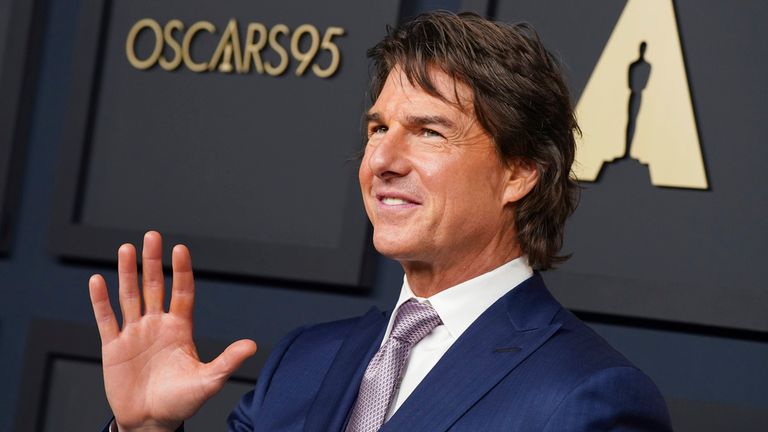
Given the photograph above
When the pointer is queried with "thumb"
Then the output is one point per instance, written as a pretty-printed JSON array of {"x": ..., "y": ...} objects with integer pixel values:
[{"x": 227, "y": 362}]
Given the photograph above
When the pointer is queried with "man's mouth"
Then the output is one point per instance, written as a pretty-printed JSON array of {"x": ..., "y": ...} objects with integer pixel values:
[{"x": 396, "y": 200}]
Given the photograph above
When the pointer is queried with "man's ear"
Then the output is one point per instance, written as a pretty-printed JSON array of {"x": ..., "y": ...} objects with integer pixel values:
[{"x": 523, "y": 174}]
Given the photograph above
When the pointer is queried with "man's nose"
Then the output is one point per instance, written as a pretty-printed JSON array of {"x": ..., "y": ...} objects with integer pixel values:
[{"x": 389, "y": 156}]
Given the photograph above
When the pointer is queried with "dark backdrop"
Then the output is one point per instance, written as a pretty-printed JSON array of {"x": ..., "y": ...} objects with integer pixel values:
[
  {"x": 663, "y": 252},
  {"x": 713, "y": 378}
]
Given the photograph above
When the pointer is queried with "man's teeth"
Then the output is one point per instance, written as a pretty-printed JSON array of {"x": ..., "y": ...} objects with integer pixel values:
[{"x": 394, "y": 201}]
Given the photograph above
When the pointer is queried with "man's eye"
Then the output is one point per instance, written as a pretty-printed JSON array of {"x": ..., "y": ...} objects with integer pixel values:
[
  {"x": 377, "y": 129},
  {"x": 429, "y": 133}
]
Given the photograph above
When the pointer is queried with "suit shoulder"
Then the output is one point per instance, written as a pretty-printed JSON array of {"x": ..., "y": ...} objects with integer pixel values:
[
  {"x": 575, "y": 353},
  {"x": 327, "y": 332},
  {"x": 615, "y": 398},
  {"x": 586, "y": 373},
  {"x": 585, "y": 345},
  {"x": 318, "y": 341}
]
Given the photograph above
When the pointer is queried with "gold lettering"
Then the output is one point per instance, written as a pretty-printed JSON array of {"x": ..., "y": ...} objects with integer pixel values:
[
  {"x": 252, "y": 49},
  {"x": 305, "y": 58},
  {"x": 228, "y": 45},
  {"x": 328, "y": 44},
  {"x": 275, "y": 45},
  {"x": 185, "y": 49},
  {"x": 304, "y": 45},
  {"x": 226, "y": 64},
  {"x": 174, "y": 63},
  {"x": 130, "y": 43}
]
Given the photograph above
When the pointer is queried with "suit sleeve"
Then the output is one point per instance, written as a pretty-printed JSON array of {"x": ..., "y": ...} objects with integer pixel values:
[
  {"x": 244, "y": 417},
  {"x": 615, "y": 399}
]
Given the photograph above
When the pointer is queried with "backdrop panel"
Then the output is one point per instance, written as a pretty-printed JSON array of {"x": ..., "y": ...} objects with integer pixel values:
[
  {"x": 231, "y": 126},
  {"x": 18, "y": 54},
  {"x": 672, "y": 253}
]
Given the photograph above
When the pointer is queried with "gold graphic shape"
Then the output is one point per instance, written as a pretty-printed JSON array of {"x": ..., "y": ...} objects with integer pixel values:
[{"x": 665, "y": 136}]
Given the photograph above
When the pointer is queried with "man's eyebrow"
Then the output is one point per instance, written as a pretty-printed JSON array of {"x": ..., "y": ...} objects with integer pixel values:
[
  {"x": 415, "y": 120},
  {"x": 425, "y": 120},
  {"x": 372, "y": 117}
]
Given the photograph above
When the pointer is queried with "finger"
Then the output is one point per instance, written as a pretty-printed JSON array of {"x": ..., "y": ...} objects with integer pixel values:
[
  {"x": 183, "y": 289},
  {"x": 227, "y": 362},
  {"x": 152, "y": 272},
  {"x": 130, "y": 301},
  {"x": 102, "y": 310}
]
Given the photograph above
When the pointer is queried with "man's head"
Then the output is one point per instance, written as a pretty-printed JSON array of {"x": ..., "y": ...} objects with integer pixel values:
[{"x": 499, "y": 88}]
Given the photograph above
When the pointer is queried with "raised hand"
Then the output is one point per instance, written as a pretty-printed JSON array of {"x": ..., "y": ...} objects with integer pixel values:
[{"x": 152, "y": 374}]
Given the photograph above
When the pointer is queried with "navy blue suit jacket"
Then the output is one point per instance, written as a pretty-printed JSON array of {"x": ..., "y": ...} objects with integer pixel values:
[{"x": 526, "y": 364}]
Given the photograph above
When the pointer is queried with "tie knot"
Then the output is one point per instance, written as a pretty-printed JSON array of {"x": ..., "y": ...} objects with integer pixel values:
[{"x": 414, "y": 320}]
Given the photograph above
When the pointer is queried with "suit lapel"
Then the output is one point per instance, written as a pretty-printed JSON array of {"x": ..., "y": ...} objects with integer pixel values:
[
  {"x": 502, "y": 337},
  {"x": 339, "y": 388}
]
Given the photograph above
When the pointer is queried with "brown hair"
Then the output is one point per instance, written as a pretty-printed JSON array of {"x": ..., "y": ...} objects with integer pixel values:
[{"x": 520, "y": 99}]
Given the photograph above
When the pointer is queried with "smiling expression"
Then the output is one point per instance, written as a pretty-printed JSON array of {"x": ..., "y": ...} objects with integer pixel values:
[{"x": 433, "y": 184}]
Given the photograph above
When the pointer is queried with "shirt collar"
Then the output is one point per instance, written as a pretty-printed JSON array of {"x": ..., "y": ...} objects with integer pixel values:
[{"x": 460, "y": 305}]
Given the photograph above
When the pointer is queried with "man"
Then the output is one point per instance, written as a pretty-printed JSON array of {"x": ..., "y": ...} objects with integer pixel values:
[{"x": 466, "y": 180}]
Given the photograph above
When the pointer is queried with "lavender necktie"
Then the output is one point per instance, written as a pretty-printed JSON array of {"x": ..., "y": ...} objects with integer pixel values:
[{"x": 414, "y": 320}]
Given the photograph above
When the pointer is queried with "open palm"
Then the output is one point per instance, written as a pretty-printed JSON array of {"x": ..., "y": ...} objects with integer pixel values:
[{"x": 152, "y": 374}]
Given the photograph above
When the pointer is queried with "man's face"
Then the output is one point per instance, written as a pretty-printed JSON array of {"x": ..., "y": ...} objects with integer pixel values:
[{"x": 433, "y": 184}]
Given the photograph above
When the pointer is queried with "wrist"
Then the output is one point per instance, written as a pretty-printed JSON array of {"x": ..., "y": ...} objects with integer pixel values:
[{"x": 116, "y": 427}]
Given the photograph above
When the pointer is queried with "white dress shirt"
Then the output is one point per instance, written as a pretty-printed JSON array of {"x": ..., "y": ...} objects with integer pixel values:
[{"x": 458, "y": 307}]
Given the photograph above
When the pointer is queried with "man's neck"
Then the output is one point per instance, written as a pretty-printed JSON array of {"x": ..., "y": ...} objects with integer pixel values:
[{"x": 428, "y": 279}]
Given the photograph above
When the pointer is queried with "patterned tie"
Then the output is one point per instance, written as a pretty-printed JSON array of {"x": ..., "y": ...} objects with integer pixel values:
[{"x": 414, "y": 320}]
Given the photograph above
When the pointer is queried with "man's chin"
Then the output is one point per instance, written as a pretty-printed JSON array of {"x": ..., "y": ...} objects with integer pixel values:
[{"x": 396, "y": 249}]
